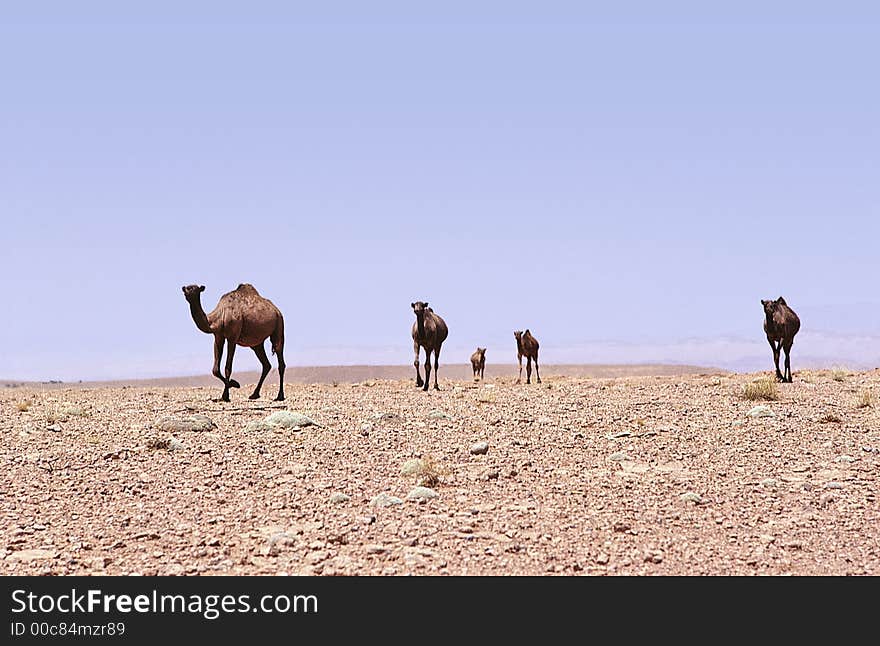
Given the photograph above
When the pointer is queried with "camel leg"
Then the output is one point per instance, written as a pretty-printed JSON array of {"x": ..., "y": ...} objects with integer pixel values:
[
  {"x": 779, "y": 375},
  {"x": 419, "y": 382},
  {"x": 260, "y": 351},
  {"x": 482, "y": 369},
  {"x": 230, "y": 354},
  {"x": 427, "y": 370},
  {"x": 218, "y": 355},
  {"x": 529, "y": 369},
  {"x": 787, "y": 347},
  {"x": 281, "y": 365},
  {"x": 536, "y": 368},
  {"x": 519, "y": 379},
  {"x": 436, "y": 367}
]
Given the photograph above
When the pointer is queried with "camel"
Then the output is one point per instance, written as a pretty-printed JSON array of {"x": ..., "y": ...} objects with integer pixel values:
[
  {"x": 429, "y": 332},
  {"x": 245, "y": 318},
  {"x": 478, "y": 362},
  {"x": 527, "y": 345},
  {"x": 780, "y": 324}
]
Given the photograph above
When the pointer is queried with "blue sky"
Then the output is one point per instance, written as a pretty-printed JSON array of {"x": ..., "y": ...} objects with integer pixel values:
[{"x": 626, "y": 181}]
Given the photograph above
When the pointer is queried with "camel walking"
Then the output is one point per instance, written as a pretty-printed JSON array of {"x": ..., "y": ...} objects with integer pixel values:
[
  {"x": 527, "y": 345},
  {"x": 780, "y": 324},
  {"x": 245, "y": 318},
  {"x": 429, "y": 332},
  {"x": 478, "y": 362}
]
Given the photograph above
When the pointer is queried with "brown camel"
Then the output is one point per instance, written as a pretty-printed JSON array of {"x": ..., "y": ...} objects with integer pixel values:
[
  {"x": 245, "y": 318},
  {"x": 781, "y": 324},
  {"x": 429, "y": 332},
  {"x": 478, "y": 362},
  {"x": 527, "y": 345}
]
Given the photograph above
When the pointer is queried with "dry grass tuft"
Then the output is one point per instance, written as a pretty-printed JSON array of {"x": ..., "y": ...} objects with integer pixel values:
[
  {"x": 831, "y": 418},
  {"x": 839, "y": 374},
  {"x": 23, "y": 407},
  {"x": 429, "y": 472},
  {"x": 866, "y": 399},
  {"x": 761, "y": 389}
]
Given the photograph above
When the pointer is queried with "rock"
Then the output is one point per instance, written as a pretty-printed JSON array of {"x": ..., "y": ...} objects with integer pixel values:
[
  {"x": 54, "y": 428},
  {"x": 690, "y": 496},
  {"x": 339, "y": 498},
  {"x": 834, "y": 485},
  {"x": 436, "y": 414},
  {"x": 419, "y": 493},
  {"x": 480, "y": 448},
  {"x": 376, "y": 549},
  {"x": 282, "y": 419},
  {"x": 769, "y": 483},
  {"x": 289, "y": 419},
  {"x": 622, "y": 527},
  {"x": 26, "y": 556},
  {"x": 174, "y": 444},
  {"x": 412, "y": 467},
  {"x": 845, "y": 458},
  {"x": 491, "y": 474},
  {"x": 760, "y": 411},
  {"x": 385, "y": 500},
  {"x": 654, "y": 556},
  {"x": 617, "y": 457},
  {"x": 387, "y": 417},
  {"x": 180, "y": 424},
  {"x": 602, "y": 559},
  {"x": 738, "y": 424}
]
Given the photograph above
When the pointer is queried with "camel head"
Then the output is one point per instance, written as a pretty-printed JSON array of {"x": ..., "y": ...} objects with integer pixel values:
[
  {"x": 192, "y": 292},
  {"x": 518, "y": 334},
  {"x": 770, "y": 306},
  {"x": 420, "y": 308},
  {"x": 482, "y": 351}
]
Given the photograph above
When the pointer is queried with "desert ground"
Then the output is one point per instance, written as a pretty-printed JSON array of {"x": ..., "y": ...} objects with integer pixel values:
[{"x": 590, "y": 473}]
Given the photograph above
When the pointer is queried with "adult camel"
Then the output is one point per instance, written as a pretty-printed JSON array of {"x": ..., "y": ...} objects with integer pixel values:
[
  {"x": 428, "y": 332},
  {"x": 242, "y": 317},
  {"x": 780, "y": 325}
]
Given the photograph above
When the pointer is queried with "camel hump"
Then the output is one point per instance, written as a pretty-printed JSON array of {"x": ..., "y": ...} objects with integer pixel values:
[
  {"x": 781, "y": 301},
  {"x": 246, "y": 288}
]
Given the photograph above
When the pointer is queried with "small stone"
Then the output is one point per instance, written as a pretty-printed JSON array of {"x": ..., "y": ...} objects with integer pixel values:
[
  {"x": 761, "y": 411},
  {"x": 620, "y": 456},
  {"x": 690, "y": 496},
  {"x": 55, "y": 428},
  {"x": 26, "y": 556},
  {"x": 376, "y": 549},
  {"x": 622, "y": 527},
  {"x": 174, "y": 444},
  {"x": 654, "y": 556},
  {"x": 385, "y": 500},
  {"x": 412, "y": 467},
  {"x": 769, "y": 483},
  {"x": 421, "y": 493},
  {"x": 738, "y": 424},
  {"x": 602, "y": 559},
  {"x": 491, "y": 474},
  {"x": 436, "y": 414},
  {"x": 834, "y": 485},
  {"x": 846, "y": 459},
  {"x": 339, "y": 498},
  {"x": 480, "y": 448}
]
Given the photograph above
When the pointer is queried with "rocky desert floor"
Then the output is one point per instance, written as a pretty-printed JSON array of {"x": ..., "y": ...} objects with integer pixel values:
[{"x": 638, "y": 475}]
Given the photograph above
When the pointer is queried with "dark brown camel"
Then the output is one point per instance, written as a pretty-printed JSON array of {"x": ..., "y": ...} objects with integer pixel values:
[
  {"x": 245, "y": 318},
  {"x": 478, "y": 362},
  {"x": 527, "y": 345},
  {"x": 780, "y": 324},
  {"x": 429, "y": 332}
]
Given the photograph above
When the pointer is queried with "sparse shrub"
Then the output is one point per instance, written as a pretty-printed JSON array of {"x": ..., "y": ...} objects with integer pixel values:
[
  {"x": 24, "y": 406},
  {"x": 426, "y": 470},
  {"x": 866, "y": 399},
  {"x": 839, "y": 374},
  {"x": 486, "y": 396},
  {"x": 831, "y": 418},
  {"x": 761, "y": 389}
]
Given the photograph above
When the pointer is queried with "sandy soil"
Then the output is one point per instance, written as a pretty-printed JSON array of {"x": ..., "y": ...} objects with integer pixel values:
[{"x": 632, "y": 475}]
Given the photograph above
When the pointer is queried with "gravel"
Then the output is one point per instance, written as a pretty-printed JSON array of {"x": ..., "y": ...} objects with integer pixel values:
[{"x": 95, "y": 499}]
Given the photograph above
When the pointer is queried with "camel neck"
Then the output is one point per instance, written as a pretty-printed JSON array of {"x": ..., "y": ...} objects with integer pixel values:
[
  {"x": 420, "y": 321},
  {"x": 199, "y": 316}
]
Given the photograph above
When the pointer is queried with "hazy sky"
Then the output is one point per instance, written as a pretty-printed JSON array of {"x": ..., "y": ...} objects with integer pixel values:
[{"x": 627, "y": 182}]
